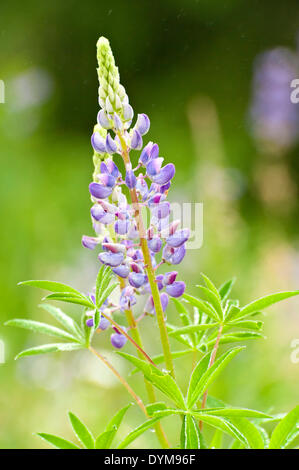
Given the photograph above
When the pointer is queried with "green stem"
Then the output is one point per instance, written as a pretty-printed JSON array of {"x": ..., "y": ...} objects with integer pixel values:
[
  {"x": 149, "y": 387},
  {"x": 149, "y": 267}
]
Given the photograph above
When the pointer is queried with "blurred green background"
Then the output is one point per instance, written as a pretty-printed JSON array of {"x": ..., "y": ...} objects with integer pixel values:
[{"x": 190, "y": 66}]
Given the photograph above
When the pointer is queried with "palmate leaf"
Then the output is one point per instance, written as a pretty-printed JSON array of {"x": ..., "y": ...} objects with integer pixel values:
[
  {"x": 197, "y": 387},
  {"x": 284, "y": 428},
  {"x": 163, "y": 382},
  {"x": 42, "y": 328},
  {"x": 263, "y": 302},
  {"x": 190, "y": 434},
  {"x": 57, "y": 441},
  {"x": 82, "y": 432},
  {"x": 105, "y": 439},
  {"x": 185, "y": 318},
  {"x": 68, "y": 322},
  {"x": 49, "y": 348}
]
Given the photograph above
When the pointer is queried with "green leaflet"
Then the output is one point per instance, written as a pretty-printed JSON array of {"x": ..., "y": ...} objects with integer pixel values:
[
  {"x": 284, "y": 428},
  {"x": 160, "y": 358},
  {"x": 191, "y": 329},
  {"x": 210, "y": 285},
  {"x": 68, "y": 322},
  {"x": 82, "y": 432},
  {"x": 227, "y": 412},
  {"x": 164, "y": 382},
  {"x": 39, "y": 327},
  {"x": 250, "y": 431},
  {"x": 57, "y": 441},
  {"x": 138, "y": 431},
  {"x": 263, "y": 302},
  {"x": 48, "y": 348},
  {"x": 105, "y": 439},
  {"x": 225, "y": 289},
  {"x": 190, "y": 434},
  {"x": 103, "y": 290},
  {"x": 216, "y": 441},
  {"x": 209, "y": 375},
  {"x": 247, "y": 324},
  {"x": 203, "y": 306},
  {"x": 196, "y": 375},
  {"x": 71, "y": 298},
  {"x": 213, "y": 299},
  {"x": 225, "y": 426},
  {"x": 52, "y": 286}
]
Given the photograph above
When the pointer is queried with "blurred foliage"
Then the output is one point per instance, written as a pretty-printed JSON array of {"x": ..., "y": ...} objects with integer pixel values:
[{"x": 189, "y": 65}]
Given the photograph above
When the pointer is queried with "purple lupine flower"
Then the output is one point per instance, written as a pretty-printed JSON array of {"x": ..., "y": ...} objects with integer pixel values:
[
  {"x": 118, "y": 340},
  {"x": 127, "y": 298},
  {"x": 106, "y": 179},
  {"x": 121, "y": 226},
  {"x": 150, "y": 151},
  {"x": 178, "y": 238},
  {"x": 122, "y": 270},
  {"x": 176, "y": 289},
  {"x": 89, "y": 242},
  {"x": 98, "y": 143},
  {"x": 165, "y": 174},
  {"x": 161, "y": 210},
  {"x": 103, "y": 120},
  {"x": 155, "y": 244},
  {"x": 131, "y": 179},
  {"x": 104, "y": 323},
  {"x": 111, "y": 259},
  {"x": 111, "y": 146},
  {"x": 169, "y": 278},
  {"x": 143, "y": 124},
  {"x": 154, "y": 166},
  {"x": 137, "y": 279},
  {"x": 118, "y": 125},
  {"x": 136, "y": 140},
  {"x": 159, "y": 281},
  {"x": 174, "y": 255},
  {"x": 112, "y": 168},
  {"x": 99, "y": 191},
  {"x": 128, "y": 112},
  {"x": 90, "y": 322}
]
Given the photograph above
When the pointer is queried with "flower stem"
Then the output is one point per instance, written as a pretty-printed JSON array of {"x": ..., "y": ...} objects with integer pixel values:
[
  {"x": 121, "y": 379},
  {"x": 149, "y": 387},
  {"x": 137, "y": 346},
  {"x": 149, "y": 267},
  {"x": 211, "y": 362}
]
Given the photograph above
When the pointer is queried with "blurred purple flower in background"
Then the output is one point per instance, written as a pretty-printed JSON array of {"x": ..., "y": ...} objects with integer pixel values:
[{"x": 274, "y": 119}]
